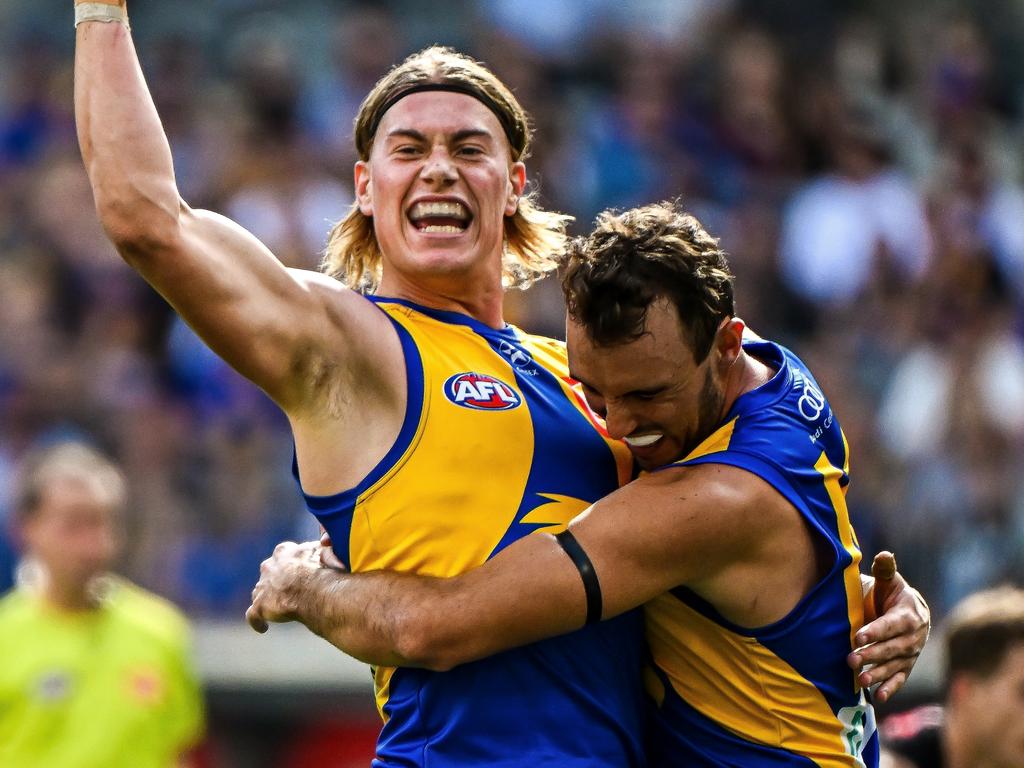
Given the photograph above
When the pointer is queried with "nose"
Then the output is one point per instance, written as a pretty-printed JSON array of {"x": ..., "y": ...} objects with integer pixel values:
[
  {"x": 439, "y": 168},
  {"x": 619, "y": 421}
]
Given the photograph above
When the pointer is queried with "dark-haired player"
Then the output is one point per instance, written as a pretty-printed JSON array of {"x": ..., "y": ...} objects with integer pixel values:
[
  {"x": 737, "y": 541},
  {"x": 429, "y": 434}
]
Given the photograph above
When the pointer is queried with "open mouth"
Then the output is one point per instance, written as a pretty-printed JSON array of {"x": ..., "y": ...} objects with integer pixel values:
[
  {"x": 440, "y": 217},
  {"x": 642, "y": 441}
]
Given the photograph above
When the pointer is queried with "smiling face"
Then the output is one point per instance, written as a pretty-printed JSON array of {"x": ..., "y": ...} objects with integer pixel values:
[
  {"x": 650, "y": 391},
  {"x": 439, "y": 183}
]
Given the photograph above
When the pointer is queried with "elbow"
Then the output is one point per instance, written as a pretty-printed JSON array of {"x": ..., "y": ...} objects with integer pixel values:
[
  {"x": 139, "y": 226},
  {"x": 422, "y": 639}
]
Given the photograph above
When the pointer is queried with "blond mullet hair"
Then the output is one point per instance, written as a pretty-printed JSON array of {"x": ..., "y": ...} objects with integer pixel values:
[{"x": 535, "y": 239}]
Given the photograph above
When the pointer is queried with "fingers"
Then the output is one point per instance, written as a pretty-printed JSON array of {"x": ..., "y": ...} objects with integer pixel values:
[
  {"x": 904, "y": 648},
  {"x": 252, "y": 615},
  {"x": 909, "y": 618},
  {"x": 884, "y": 565},
  {"x": 890, "y": 686},
  {"x": 888, "y": 627},
  {"x": 885, "y": 674},
  {"x": 328, "y": 559},
  {"x": 887, "y": 581}
]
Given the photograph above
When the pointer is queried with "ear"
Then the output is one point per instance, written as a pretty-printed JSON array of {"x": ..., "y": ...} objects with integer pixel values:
[
  {"x": 959, "y": 689},
  {"x": 516, "y": 185},
  {"x": 729, "y": 340},
  {"x": 363, "y": 187}
]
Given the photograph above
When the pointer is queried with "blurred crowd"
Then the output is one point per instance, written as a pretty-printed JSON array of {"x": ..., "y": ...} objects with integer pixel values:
[{"x": 861, "y": 165}]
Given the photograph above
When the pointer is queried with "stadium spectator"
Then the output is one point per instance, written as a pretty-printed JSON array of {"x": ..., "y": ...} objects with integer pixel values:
[
  {"x": 982, "y": 722},
  {"x": 96, "y": 670}
]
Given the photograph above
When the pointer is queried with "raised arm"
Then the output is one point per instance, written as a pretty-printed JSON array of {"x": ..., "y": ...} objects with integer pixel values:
[{"x": 269, "y": 322}]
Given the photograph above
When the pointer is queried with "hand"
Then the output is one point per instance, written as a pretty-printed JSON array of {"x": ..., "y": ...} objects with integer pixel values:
[
  {"x": 275, "y": 596},
  {"x": 327, "y": 557},
  {"x": 892, "y": 641}
]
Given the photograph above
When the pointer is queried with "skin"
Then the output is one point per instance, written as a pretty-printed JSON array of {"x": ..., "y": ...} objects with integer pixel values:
[
  {"x": 327, "y": 357},
  {"x": 753, "y": 558},
  {"x": 985, "y": 716},
  {"x": 74, "y": 536},
  {"x": 330, "y": 360},
  {"x": 437, "y": 146}
]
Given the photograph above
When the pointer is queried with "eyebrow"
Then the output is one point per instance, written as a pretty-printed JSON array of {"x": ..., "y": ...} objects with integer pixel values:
[
  {"x": 471, "y": 133},
  {"x": 632, "y": 393},
  {"x": 649, "y": 392},
  {"x": 462, "y": 135}
]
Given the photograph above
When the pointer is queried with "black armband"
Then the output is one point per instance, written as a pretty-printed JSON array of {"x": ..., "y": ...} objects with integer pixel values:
[{"x": 591, "y": 585}]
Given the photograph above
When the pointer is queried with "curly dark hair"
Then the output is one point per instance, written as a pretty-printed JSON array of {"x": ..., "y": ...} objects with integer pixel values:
[{"x": 636, "y": 257}]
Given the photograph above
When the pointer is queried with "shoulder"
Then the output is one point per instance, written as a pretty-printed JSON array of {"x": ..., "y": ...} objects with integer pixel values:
[
  {"x": 730, "y": 508},
  {"x": 338, "y": 300},
  {"x": 712, "y": 497},
  {"x": 14, "y": 607},
  {"x": 544, "y": 344},
  {"x": 150, "y": 615}
]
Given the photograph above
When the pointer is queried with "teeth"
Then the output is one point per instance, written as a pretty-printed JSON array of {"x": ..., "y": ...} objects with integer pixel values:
[
  {"x": 447, "y": 209},
  {"x": 438, "y": 228},
  {"x": 642, "y": 441}
]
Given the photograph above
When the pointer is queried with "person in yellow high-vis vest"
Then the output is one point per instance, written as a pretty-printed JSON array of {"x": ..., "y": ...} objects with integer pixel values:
[{"x": 95, "y": 671}]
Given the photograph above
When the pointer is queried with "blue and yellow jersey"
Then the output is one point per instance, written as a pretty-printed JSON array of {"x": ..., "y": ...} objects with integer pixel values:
[
  {"x": 495, "y": 445},
  {"x": 780, "y": 695}
]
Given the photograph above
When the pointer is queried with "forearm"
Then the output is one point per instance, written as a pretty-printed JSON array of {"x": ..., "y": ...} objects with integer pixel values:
[
  {"x": 123, "y": 144},
  {"x": 396, "y": 619},
  {"x": 381, "y": 617}
]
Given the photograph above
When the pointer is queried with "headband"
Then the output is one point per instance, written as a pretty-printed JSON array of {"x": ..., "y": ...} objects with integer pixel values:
[{"x": 513, "y": 132}]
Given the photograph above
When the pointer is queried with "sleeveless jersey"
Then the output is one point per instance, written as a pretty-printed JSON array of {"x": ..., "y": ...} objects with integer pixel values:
[
  {"x": 496, "y": 444},
  {"x": 779, "y": 695}
]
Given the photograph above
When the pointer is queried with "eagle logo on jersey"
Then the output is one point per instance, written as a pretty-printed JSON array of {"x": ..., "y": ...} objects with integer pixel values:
[{"x": 481, "y": 392}]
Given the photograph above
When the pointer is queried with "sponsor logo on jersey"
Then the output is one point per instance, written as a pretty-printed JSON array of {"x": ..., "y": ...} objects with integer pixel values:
[
  {"x": 811, "y": 403},
  {"x": 54, "y": 685},
  {"x": 519, "y": 358},
  {"x": 145, "y": 685},
  {"x": 480, "y": 392}
]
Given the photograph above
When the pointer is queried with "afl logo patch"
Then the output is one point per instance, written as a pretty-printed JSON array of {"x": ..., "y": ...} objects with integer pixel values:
[{"x": 481, "y": 392}]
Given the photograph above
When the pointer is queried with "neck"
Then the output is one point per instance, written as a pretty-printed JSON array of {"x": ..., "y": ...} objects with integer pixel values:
[
  {"x": 481, "y": 297},
  {"x": 70, "y": 597},
  {"x": 958, "y": 749},
  {"x": 747, "y": 374}
]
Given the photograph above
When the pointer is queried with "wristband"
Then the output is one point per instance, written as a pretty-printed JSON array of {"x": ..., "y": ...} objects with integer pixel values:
[{"x": 101, "y": 11}]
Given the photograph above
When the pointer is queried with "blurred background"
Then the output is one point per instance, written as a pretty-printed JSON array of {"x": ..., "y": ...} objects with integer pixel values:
[{"x": 861, "y": 162}]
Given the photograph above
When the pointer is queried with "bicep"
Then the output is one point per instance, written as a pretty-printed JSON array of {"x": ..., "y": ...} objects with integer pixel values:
[
  {"x": 256, "y": 314},
  {"x": 529, "y": 591},
  {"x": 659, "y": 532},
  {"x": 642, "y": 540}
]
